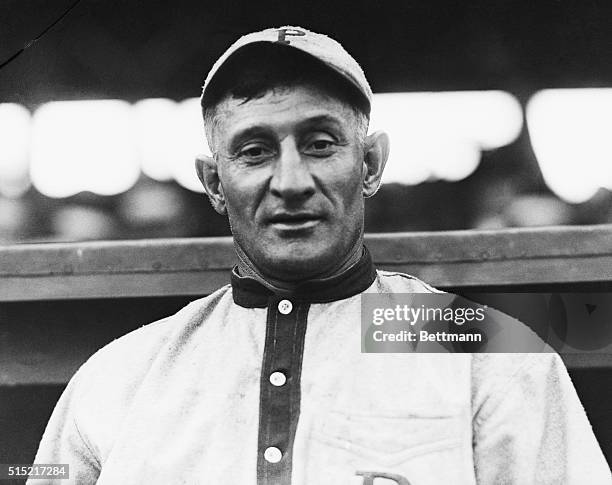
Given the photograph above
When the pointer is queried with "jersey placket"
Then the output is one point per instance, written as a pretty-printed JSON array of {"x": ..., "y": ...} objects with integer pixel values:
[{"x": 279, "y": 401}]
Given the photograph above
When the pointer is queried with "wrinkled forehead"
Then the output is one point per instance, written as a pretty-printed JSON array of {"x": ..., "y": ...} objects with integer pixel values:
[{"x": 284, "y": 110}]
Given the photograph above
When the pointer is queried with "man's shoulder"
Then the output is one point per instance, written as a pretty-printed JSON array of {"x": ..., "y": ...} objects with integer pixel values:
[
  {"x": 507, "y": 367},
  {"x": 397, "y": 282},
  {"x": 136, "y": 350},
  {"x": 107, "y": 385},
  {"x": 503, "y": 363}
]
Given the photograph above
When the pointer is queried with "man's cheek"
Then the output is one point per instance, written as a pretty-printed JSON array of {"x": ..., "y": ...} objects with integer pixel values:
[{"x": 237, "y": 202}]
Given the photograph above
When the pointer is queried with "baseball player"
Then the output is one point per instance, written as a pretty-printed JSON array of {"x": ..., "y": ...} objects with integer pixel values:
[{"x": 264, "y": 380}]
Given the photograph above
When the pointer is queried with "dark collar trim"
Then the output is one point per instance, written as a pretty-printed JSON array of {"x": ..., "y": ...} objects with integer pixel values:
[{"x": 249, "y": 293}]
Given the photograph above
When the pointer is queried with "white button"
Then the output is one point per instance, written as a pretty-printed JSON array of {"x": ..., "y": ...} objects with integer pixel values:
[
  {"x": 285, "y": 307},
  {"x": 278, "y": 379},
  {"x": 273, "y": 454}
]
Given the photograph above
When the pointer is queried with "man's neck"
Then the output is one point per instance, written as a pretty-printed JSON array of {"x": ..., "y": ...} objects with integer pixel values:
[{"x": 247, "y": 268}]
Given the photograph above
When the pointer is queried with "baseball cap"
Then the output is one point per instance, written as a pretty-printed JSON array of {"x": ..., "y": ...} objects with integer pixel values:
[{"x": 321, "y": 47}]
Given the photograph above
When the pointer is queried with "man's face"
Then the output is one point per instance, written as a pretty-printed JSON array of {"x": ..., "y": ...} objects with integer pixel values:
[{"x": 291, "y": 169}]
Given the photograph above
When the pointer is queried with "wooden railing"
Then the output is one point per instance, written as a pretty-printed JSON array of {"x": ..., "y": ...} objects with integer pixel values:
[{"x": 165, "y": 267}]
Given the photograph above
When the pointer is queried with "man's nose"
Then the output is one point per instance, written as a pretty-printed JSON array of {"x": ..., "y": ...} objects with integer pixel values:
[{"x": 292, "y": 178}]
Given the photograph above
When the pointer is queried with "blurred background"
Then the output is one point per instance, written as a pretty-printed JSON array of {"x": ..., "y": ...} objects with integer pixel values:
[{"x": 499, "y": 111}]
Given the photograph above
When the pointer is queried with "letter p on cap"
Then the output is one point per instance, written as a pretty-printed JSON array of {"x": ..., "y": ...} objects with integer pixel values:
[{"x": 283, "y": 33}]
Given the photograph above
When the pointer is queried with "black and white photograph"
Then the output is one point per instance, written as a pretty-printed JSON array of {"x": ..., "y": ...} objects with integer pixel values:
[{"x": 305, "y": 243}]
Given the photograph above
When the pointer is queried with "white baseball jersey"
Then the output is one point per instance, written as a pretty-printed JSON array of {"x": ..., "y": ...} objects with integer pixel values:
[{"x": 247, "y": 387}]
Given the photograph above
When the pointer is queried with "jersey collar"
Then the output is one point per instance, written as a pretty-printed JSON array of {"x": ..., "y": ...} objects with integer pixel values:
[{"x": 250, "y": 293}]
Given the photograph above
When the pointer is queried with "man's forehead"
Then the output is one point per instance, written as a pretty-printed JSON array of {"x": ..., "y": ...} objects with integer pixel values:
[{"x": 296, "y": 106}]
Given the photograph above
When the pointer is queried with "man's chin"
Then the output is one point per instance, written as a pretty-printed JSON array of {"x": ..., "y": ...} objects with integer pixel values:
[{"x": 299, "y": 267}]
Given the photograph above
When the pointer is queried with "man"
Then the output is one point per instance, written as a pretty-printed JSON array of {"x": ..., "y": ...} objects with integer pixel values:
[{"x": 264, "y": 381}]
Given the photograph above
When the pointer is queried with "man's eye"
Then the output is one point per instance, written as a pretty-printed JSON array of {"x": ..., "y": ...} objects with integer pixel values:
[
  {"x": 321, "y": 144},
  {"x": 254, "y": 151},
  {"x": 320, "y": 147}
]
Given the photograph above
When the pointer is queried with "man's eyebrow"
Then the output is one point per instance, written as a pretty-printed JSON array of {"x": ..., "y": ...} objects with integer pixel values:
[
  {"x": 321, "y": 119},
  {"x": 250, "y": 131},
  {"x": 265, "y": 129}
]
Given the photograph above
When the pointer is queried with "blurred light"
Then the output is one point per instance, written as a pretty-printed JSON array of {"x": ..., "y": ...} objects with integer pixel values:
[
  {"x": 83, "y": 145},
  {"x": 190, "y": 141},
  {"x": 537, "y": 210},
  {"x": 79, "y": 222},
  {"x": 152, "y": 204},
  {"x": 101, "y": 146},
  {"x": 154, "y": 127},
  {"x": 14, "y": 149},
  {"x": 440, "y": 135},
  {"x": 570, "y": 135},
  {"x": 15, "y": 219},
  {"x": 170, "y": 135}
]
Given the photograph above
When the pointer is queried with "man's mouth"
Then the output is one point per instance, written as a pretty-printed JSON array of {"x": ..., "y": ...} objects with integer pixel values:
[{"x": 295, "y": 220}]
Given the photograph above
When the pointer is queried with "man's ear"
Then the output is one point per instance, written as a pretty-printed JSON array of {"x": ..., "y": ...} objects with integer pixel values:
[
  {"x": 376, "y": 152},
  {"x": 208, "y": 173}
]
